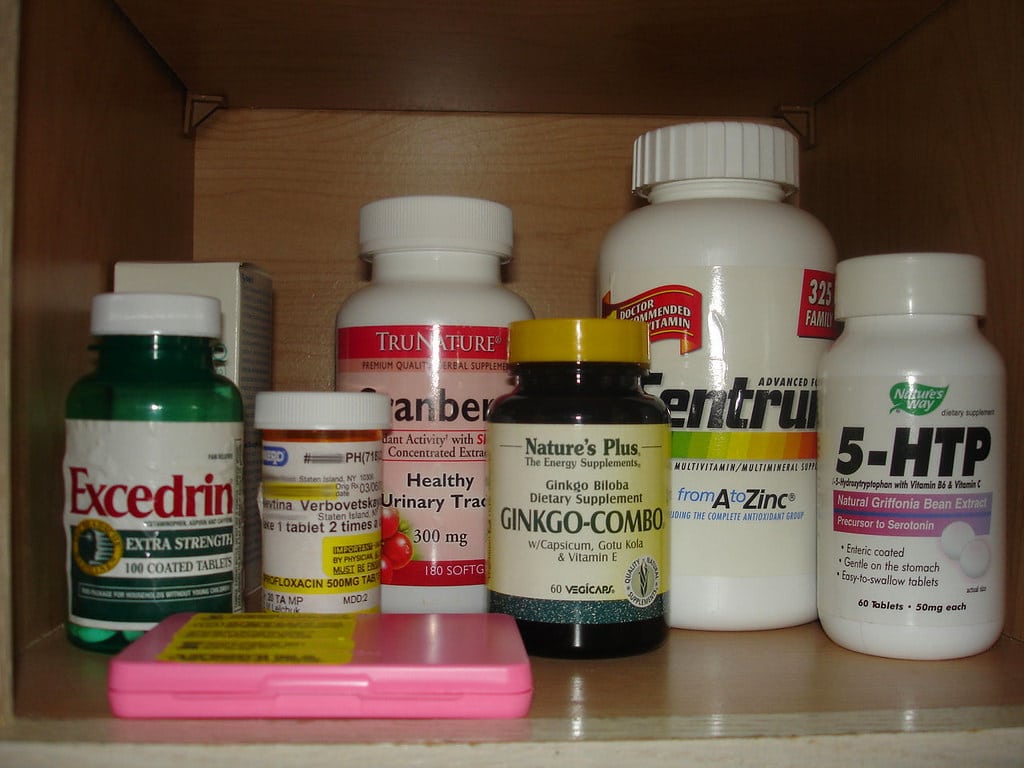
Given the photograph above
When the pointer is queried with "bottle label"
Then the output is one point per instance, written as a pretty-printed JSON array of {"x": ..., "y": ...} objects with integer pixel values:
[
  {"x": 911, "y": 509},
  {"x": 320, "y": 511},
  {"x": 152, "y": 512},
  {"x": 734, "y": 354},
  {"x": 578, "y": 522},
  {"x": 442, "y": 380}
]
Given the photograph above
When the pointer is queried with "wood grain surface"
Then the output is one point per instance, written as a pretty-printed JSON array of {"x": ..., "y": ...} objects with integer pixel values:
[{"x": 920, "y": 145}]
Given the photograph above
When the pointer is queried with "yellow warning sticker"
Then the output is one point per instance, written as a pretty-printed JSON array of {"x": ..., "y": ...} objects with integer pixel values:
[{"x": 263, "y": 638}]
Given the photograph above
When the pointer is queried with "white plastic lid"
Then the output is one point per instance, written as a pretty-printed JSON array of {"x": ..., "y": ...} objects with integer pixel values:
[
  {"x": 435, "y": 222},
  {"x": 910, "y": 284},
  {"x": 322, "y": 410},
  {"x": 148, "y": 314},
  {"x": 715, "y": 150}
]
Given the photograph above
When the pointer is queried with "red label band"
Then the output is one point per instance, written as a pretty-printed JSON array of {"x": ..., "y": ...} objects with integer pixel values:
[
  {"x": 441, "y": 573},
  {"x": 817, "y": 318},
  {"x": 424, "y": 342},
  {"x": 670, "y": 311}
]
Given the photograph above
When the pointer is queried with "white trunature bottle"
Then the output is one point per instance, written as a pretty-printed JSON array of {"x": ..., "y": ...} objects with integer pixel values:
[
  {"x": 912, "y": 505},
  {"x": 431, "y": 331},
  {"x": 736, "y": 287}
]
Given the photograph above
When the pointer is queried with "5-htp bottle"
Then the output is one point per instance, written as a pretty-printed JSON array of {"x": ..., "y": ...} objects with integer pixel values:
[
  {"x": 431, "y": 330},
  {"x": 152, "y": 471},
  {"x": 736, "y": 288},
  {"x": 579, "y": 491},
  {"x": 912, "y": 504}
]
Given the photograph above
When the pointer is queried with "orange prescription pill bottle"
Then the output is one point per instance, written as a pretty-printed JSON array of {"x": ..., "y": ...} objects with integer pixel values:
[{"x": 319, "y": 500}]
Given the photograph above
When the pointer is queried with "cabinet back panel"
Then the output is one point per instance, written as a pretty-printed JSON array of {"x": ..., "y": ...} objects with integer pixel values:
[{"x": 283, "y": 189}]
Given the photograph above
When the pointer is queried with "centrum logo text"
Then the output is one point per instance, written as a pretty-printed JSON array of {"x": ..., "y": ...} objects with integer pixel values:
[
  {"x": 791, "y": 405},
  {"x": 173, "y": 500}
]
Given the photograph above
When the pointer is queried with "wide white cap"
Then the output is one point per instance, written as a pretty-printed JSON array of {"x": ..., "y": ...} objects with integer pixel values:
[
  {"x": 436, "y": 223},
  {"x": 910, "y": 284},
  {"x": 322, "y": 410},
  {"x": 715, "y": 150},
  {"x": 155, "y": 314}
]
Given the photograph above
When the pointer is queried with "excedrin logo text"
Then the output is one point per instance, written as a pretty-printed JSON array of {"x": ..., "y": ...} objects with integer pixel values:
[{"x": 177, "y": 499}]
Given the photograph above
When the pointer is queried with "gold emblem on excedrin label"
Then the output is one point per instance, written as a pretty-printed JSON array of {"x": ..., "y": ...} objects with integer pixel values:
[{"x": 96, "y": 546}]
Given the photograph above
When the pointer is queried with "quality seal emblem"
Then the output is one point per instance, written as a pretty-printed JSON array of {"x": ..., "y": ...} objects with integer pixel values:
[
  {"x": 642, "y": 581},
  {"x": 96, "y": 546}
]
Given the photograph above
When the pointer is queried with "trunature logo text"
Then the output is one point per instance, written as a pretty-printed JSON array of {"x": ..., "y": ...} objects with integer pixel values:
[
  {"x": 176, "y": 499},
  {"x": 423, "y": 342},
  {"x": 445, "y": 342}
]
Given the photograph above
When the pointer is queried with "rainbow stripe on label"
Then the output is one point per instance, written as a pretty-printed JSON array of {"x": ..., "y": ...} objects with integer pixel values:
[{"x": 765, "y": 446}]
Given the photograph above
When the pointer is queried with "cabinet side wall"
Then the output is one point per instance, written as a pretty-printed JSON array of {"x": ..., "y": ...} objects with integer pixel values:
[
  {"x": 924, "y": 150},
  {"x": 9, "y": 10},
  {"x": 103, "y": 173}
]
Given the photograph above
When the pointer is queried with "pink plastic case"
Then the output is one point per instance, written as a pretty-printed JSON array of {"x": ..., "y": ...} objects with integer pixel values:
[{"x": 266, "y": 665}]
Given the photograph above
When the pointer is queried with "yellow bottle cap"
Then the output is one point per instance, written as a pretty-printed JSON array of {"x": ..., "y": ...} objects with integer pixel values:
[{"x": 578, "y": 340}]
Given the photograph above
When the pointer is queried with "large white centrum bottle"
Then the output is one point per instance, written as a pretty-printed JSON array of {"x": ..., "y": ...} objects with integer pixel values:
[
  {"x": 736, "y": 288},
  {"x": 431, "y": 331}
]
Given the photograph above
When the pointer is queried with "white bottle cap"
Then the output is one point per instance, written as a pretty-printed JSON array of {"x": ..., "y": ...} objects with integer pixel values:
[
  {"x": 910, "y": 284},
  {"x": 155, "y": 314},
  {"x": 435, "y": 222},
  {"x": 322, "y": 410},
  {"x": 715, "y": 150}
]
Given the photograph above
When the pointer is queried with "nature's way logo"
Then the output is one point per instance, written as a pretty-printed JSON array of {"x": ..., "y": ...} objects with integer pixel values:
[{"x": 916, "y": 399}]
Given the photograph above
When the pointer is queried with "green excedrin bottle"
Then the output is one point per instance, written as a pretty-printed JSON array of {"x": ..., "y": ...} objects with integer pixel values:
[
  {"x": 578, "y": 499},
  {"x": 152, "y": 471}
]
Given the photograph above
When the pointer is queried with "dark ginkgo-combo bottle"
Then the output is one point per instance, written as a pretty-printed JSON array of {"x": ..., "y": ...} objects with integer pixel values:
[
  {"x": 578, "y": 500},
  {"x": 152, "y": 471}
]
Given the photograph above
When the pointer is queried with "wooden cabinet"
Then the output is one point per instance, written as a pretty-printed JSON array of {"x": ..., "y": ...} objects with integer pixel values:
[{"x": 200, "y": 130}]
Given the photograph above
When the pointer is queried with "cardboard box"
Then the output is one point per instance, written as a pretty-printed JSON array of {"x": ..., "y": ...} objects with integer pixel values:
[{"x": 246, "y": 297}]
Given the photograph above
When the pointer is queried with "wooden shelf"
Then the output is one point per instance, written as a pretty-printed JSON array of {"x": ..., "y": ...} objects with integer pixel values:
[
  {"x": 696, "y": 692},
  {"x": 612, "y": 57},
  {"x": 917, "y": 106}
]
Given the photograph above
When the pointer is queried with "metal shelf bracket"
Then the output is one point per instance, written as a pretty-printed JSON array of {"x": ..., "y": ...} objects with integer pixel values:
[
  {"x": 801, "y": 120},
  {"x": 198, "y": 107}
]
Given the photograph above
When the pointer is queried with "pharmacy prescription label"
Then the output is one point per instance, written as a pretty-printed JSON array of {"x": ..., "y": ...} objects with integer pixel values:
[
  {"x": 578, "y": 520},
  {"x": 911, "y": 502},
  {"x": 320, "y": 517},
  {"x": 442, "y": 380}
]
